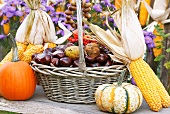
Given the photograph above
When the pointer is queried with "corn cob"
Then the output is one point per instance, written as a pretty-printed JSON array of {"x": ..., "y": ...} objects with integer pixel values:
[
  {"x": 27, "y": 55},
  {"x": 118, "y": 4},
  {"x": 165, "y": 98},
  {"x": 8, "y": 57},
  {"x": 143, "y": 13},
  {"x": 6, "y": 26},
  {"x": 141, "y": 72},
  {"x": 29, "y": 46},
  {"x": 51, "y": 45},
  {"x": 157, "y": 51}
]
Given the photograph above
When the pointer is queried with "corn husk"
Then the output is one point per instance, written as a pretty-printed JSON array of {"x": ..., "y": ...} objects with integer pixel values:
[
  {"x": 132, "y": 45},
  {"x": 37, "y": 28},
  {"x": 159, "y": 12},
  {"x": 134, "y": 3},
  {"x": 132, "y": 33}
]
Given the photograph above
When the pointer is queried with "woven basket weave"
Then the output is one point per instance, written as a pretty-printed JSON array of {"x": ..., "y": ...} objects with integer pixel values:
[{"x": 66, "y": 84}]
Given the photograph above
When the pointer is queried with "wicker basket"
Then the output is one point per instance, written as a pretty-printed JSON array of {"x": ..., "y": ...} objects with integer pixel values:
[{"x": 66, "y": 84}]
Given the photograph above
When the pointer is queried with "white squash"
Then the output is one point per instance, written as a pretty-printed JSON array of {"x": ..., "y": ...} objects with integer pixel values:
[{"x": 118, "y": 98}]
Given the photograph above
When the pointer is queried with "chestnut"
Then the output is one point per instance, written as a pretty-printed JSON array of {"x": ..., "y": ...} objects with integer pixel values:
[
  {"x": 89, "y": 59},
  {"x": 53, "y": 49},
  {"x": 43, "y": 59},
  {"x": 76, "y": 63},
  {"x": 58, "y": 53},
  {"x": 34, "y": 55},
  {"x": 93, "y": 64},
  {"x": 65, "y": 61},
  {"x": 102, "y": 58},
  {"x": 47, "y": 59},
  {"x": 108, "y": 63},
  {"x": 55, "y": 62},
  {"x": 49, "y": 49},
  {"x": 40, "y": 58}
]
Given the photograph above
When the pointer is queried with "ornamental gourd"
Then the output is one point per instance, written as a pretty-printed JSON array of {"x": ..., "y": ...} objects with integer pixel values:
[
  {"x": 118, "y": 98},
  {"x": 17, "y": 80}
]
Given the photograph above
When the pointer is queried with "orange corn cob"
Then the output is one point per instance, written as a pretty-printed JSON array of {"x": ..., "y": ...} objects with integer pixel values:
[
  {"x": 143, "y": 13},
  {"x": 6, "y": 26},
  {"x": 157, "y": 50},
  {"x": 118, "y": 4}
]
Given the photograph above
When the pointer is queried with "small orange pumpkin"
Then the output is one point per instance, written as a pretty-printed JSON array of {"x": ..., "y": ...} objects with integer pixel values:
[{"x": 17, "y": 79}]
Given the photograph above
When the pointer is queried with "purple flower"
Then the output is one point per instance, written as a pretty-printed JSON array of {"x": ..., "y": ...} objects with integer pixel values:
[
  {"x": 74, "y": 18},
  {"x": 87, "y": 1},
  {"x": 60, "y": 32},
  {"x": 68, "y": 5},
  {"x": 110, "y": 19},
  {"x": 148, "y": 39},
  {"x": 19, "y": 13},
  {"x": 9, "y": 14},
  {"x": 27, "y": 10},
  {"x": 62, "y": 19},
  {"x": 149, "y": 36},
  {"x": 106, "y": 2},
  {"x": 97, "y": 8},
  {"x": 4, "y": 22},
  {"x": 12, "y": 9},
  {"x": 50, "y": 8},
  {"x": 2, "y": 36},
  {"x": 55, "y": 20},
  {"x": 68, "y": 26},
  {"x": 113, "y": 6},
  {"x": 86, "y": 26}
]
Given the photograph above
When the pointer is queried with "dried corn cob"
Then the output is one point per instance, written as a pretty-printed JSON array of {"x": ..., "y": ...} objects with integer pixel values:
[
  {"x": 165, "y": 99},
  {"x": 143, "y": 77},
  {"x": 51, "y": 45},
  {"x": 8, "y": 57},
  {"x": 143, "y": 13},
  {"x": 29, "y": 46},
  {"x": 118, "y": 4},
  {"x": 27, "y": 55}
]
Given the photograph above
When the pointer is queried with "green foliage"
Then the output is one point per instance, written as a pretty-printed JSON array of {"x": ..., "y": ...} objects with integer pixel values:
[
  {"x": 158, "y": 58},
  {"x": 168, "y": 50},
  {"x": 167, "y": 65},
  {"x": 162, "y": 34}
]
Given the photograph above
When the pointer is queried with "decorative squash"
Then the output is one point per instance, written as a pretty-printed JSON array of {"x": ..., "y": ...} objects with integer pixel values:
[
  {"x": 118, "y": 98},
  {"x": 17, "y": 80}
]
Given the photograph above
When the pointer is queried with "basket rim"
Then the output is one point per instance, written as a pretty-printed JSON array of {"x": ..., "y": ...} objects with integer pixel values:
[{"x": 98, "y": 72}]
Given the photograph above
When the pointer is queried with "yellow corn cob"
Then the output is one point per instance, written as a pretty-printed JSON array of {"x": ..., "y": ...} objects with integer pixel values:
[
  {"x": 29, "y": 46},
  {"x": 143, "y": 13},
  {"x": 157, "y": 40},
  {"x": 165, "y": 98},
  {"x": 118, "y": 4},
  {"x": 8, "y": 57},
  {"x": 51, "y": 45},
  {"x": 27, "y": 55},
  {"x": 141, "y": 72}
]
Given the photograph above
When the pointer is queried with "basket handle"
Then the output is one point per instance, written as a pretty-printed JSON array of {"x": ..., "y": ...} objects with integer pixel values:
[{"x": 82, "y": 65}]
